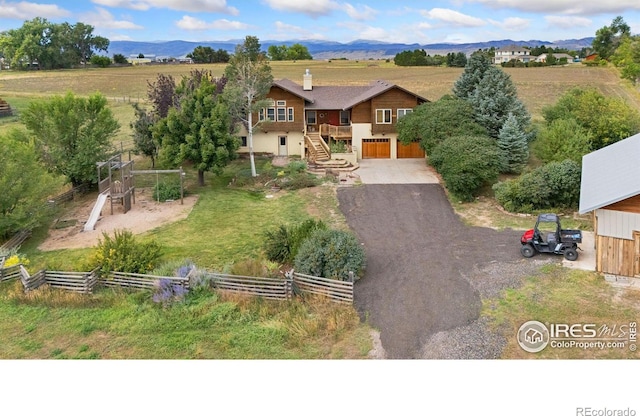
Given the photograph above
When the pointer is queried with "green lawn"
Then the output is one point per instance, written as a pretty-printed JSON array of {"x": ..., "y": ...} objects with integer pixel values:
[{"x": 225, "y": 227}]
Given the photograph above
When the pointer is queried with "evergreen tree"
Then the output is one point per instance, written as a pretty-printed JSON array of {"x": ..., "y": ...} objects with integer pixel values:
[
  {"x": 473, "y": 73},
  {"x": 513, "y": 143},
  {"x": 494, "y": 98}
]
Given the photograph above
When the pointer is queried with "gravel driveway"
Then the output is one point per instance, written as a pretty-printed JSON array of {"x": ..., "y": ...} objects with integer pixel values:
[{"x": 427, "y": 272}]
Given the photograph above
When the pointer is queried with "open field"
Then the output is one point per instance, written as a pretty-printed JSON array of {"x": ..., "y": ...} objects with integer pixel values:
[{"x": 537, "y": 87}]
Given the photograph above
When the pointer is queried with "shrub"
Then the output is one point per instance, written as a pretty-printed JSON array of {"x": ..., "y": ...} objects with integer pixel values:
[
  {"x": 299, "y": 181},
  {"x": 101, "y": 61},
  {"x": 283, "y": 243},
  {"x": 164, "y": 191},
  {"x": 296, "y": 166},
  {"x": 331, "y": 254},
  {"x": 123, "y": 253},
  {"x": 554, "y": 185},
  {"x": 167, "y": 292},
  {"x": 467, "y": 163}
]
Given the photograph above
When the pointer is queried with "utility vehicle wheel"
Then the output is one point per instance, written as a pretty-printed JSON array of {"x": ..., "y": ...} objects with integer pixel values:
[
  {"x": 571, "y": 254},
  {"x": 527, "y": 250}
]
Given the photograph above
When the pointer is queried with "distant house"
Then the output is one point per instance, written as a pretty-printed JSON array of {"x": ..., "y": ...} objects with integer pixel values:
[
  {"x": 304, "y": 119},
  {"x": 610, "y": 188},
  {"x": 559, "y": 56},
  {"x": 509, "y": 53},
  {"x": 591, "y": 57}
]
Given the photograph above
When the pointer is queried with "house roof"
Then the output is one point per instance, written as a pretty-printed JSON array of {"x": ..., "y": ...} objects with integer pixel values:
[
  {"x": 610, "y": 175},
  {"x": 339, "y": 97},
  {"x": 512, "y": 48}
]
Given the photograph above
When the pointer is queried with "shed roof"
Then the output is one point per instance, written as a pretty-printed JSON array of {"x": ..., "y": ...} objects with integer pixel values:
[
  {"x": 611, "y": 174},
  {"x": 339, "y": 97}
]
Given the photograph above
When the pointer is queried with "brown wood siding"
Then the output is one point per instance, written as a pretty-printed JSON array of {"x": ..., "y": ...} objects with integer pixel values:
[
  {"x": 628, "y": 205},
  {"x": 392, "y": 99},
  {"x": 361, "y": 113},
  {"x": 615, "y": 255},
  {"x": 278, "y": 94}
]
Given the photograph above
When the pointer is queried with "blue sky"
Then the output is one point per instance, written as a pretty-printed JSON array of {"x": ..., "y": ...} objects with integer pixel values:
[{"x": 454, "y": 21}]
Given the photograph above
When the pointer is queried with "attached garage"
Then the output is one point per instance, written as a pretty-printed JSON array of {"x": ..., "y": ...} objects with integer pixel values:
[
  {"x": 376, "y": 148},
  {"x": 410, "y": 151}
]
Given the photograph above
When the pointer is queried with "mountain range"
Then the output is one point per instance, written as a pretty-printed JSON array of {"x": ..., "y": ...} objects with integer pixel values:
[{"x": 359, "y": 49}]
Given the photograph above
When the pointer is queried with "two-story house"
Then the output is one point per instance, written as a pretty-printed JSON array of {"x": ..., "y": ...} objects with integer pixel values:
[
  {"x": 508, "y": 53},
  {"x": 304, "y": 119}
]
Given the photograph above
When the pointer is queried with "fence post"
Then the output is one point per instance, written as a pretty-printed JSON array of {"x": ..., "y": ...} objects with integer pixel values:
[
  {"x": 289, "y": 284},
  {"x": 351, "y": 277}
]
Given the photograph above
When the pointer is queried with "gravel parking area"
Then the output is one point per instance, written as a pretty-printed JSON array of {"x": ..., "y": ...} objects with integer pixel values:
[{"x": 427, "y": 272}]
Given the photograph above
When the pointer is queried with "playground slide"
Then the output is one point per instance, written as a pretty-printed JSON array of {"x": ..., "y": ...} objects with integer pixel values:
[{"x": 95, "y": 212}]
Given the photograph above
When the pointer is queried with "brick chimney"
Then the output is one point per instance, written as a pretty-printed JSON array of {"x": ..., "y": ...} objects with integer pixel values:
[{"x": 307, "y": 84}]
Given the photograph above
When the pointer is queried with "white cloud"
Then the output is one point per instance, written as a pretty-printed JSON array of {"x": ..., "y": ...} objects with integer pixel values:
[
  {"x": 102, "y": 19},
  {"x": 210, "y": 6},
  {"x": 285, "y": 31},
  {"x": 453, "y": 17},
  {"x": 365, "y": 12},
  {"x": 311, "y": 8},
  {"x": 567, "y": 22},
  {"x": 192, "y": 23},
  {"x": 25, "y": 10},
  {"x": 584, "y": 7},
  {"x": 512, "y": 23}
]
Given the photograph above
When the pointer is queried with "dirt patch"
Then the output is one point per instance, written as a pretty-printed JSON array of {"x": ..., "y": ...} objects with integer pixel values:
[{"x": 146, "y": 214}]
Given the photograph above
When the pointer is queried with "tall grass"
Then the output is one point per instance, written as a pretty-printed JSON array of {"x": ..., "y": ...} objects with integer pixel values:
[{"x": 114, "y": 324}]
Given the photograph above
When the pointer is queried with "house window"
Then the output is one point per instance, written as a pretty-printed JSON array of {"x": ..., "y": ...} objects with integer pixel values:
[
  {"x": 243, "y": 141},
  {"x": 383, "y": 116},
  {"x": 290, "y": 114},
  {"x": 404, "y": 111},
  {"x": 311, "y": 117},
  {"x": 282, "y": 114},
  {"x": 281, "y": 103},
  {"x": 344, "y": 118},
  {"x": 271, "y": 113}
]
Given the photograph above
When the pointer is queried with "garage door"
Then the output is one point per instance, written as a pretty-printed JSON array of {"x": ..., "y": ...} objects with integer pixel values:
[
  {"x": 376, "y": 149},
  {"x": 412, "y": 150}
]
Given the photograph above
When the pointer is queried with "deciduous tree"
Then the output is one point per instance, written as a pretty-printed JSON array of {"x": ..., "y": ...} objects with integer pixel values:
[
  {"x": 72, "y": 134},
  {"x": 249, "y": 80},
  {"x": 25, "y": 185},
  {"x": 432, "y": 122},
  {"x": 199, "y": 129},
  {"x": 608, "y": 119}
]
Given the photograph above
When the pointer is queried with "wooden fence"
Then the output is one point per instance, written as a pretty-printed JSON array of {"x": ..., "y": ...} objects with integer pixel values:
[
  {"x": 15, "y": 241},
  {"x": 69, "y": 195},
  {"x": 293, "y": 284},
  {"x": 266, "y": 287},
  {"x": 281, "y": 289},
  {"x": 9, "y": 273},
  {"x": 140, "y": 281},
  {"x": 336, "y": 290}
]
